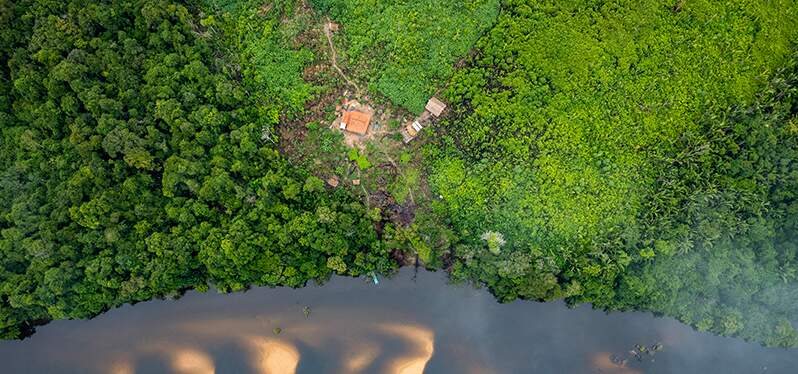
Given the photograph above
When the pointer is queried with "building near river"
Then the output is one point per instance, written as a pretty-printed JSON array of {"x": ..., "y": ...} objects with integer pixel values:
[{"x": 356, "y": 122}]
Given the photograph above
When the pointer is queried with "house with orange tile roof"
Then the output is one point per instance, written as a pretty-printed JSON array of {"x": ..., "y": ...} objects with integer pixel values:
[{"x": 356, "y": 122}]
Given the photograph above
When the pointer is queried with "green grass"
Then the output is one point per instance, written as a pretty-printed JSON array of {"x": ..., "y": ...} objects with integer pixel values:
[
  {"x": 567, "y": 109},
  {"x": 407, "y": 181},
  {"x": 359, "y": 159},
  {"x": 405, "y": 50}
]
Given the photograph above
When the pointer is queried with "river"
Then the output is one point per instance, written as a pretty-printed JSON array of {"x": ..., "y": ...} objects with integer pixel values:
[{"x": 408, "y": 324}]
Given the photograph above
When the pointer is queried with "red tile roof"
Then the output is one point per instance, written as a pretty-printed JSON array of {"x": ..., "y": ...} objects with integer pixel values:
[{"x": 357, "y": 122}]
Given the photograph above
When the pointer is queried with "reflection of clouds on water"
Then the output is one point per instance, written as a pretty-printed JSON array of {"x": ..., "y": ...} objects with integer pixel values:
[
  {"x": 192, "y": 361},
  {"x": 361, "y": 349},
  {"x": 273, "y": 356},
  {"x": 360, "y": 357},
  {"x": 422, "y": 340},
  {"x": 182, "y": 359},
  {"x": 121, "y": 367}
]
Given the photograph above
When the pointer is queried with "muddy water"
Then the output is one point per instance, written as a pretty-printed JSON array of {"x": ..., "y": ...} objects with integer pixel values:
[{"x": 408, "y": 324}]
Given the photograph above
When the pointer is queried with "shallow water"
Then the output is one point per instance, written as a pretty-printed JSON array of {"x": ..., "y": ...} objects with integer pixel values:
[{"x": 408, "y": 324}]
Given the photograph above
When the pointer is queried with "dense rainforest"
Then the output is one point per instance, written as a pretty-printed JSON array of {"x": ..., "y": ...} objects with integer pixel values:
[
  {"x": 629, "y": 154},
  {"x": 137, "y": 163},
  {"x": 632, "y": 156}
]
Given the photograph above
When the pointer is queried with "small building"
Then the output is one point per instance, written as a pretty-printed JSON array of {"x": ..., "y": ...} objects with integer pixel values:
[
  {"x": 413, "y": 128},
  {"x": 410, "y": 131},
  {"x": 356, "y": 122},
  {"x": 435, "y": 106}
]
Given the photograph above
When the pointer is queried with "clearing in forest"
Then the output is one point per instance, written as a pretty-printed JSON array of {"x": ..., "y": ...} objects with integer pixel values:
[
  {"x": 368, "y": 154},
  {"x": 387, "y": 63}
]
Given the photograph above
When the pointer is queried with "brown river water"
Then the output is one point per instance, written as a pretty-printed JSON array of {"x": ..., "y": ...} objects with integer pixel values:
[{"x": 411, "y": 323}]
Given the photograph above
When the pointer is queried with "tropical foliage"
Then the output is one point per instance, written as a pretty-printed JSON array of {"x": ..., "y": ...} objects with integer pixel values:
[
  {"x": 404, "y": 49},
  {"x": 625, "y": 142},
  {"x": 135, "y": 165}
]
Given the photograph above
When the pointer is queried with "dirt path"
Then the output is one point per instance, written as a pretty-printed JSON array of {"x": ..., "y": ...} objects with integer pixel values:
[{"x": 334, "y": 57}]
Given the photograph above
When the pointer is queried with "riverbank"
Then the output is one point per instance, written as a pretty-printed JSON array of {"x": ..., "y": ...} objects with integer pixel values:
[{"x": 409, "y": 321}]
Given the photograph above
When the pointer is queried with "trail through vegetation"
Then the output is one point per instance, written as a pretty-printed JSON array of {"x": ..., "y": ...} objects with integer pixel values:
[{"x": 334, "y": 57}]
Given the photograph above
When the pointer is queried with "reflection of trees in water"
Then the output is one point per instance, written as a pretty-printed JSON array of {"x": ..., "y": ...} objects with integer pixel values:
[{"x": 355, "y": 345}]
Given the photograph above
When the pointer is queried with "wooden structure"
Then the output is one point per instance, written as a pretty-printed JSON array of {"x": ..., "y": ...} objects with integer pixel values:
[
  {"x": 410, "y": 131},
  {"x": 356, "y": 122},
  {"x": 435, "y": 106},
  {"x": 413, "y": 128}
]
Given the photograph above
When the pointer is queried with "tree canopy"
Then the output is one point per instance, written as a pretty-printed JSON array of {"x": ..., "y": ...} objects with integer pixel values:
[
  {"x": 136, "y": 164},
  {"x": 632, "y": 155}
]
